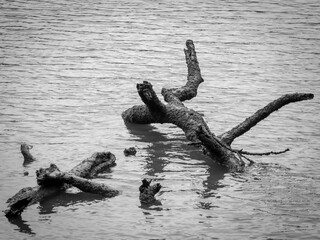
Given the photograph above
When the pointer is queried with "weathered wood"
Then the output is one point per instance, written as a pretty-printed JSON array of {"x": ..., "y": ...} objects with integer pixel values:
[
  {"x": 148, "y": 191},
  {"x": 220, "y": 152},
  {"x": 52, "y": 176},
  {"x": 192, "y": 122},
  {"x": 88, "y": 168},
  {"x": 261, "y": 114}
]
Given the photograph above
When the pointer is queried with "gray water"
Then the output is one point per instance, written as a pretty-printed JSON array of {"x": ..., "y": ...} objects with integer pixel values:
[{"x": 69, "y": 68}]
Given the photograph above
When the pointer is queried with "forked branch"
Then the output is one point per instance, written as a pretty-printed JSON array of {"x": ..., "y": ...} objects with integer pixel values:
[
  {"x": 192, "y": 122},
  {"x": 88, "y": 168}
]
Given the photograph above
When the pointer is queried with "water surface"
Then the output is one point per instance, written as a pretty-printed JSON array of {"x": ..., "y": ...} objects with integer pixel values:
[{"x": 69, "y": 68}]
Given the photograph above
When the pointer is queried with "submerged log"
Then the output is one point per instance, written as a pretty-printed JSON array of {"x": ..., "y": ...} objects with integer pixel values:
[
  {"x": 192, "y": 122},
  {"x": 88, "y": 168},
  {"x": 52, "y": 176}
]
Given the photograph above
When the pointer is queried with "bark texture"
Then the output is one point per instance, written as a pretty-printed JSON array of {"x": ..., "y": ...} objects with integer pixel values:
[
  {"x": 88, "y": 168},
  {"x": 52, "y": 176},
  {"x": 192, "y": 122}
]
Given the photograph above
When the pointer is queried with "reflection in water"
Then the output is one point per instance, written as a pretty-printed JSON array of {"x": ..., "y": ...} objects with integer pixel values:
[
  {"x": 68, "y": 71},
  {"x": 206, "y": 205},
  {"x": 211, "y": 184},
  {"x": 156, "y": 205},
  {"x": 157, "y": 155},
  {"x": 158, "y": 159},
  {"x": 21, "y": 224},
  {"x": 150, "y": 210},
  {"x": 66, "y": 199},
  {"x": 47, "y": 206}
]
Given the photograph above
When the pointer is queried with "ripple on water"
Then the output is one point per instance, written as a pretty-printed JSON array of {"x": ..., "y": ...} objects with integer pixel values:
[{"x": 68, "y": 70}]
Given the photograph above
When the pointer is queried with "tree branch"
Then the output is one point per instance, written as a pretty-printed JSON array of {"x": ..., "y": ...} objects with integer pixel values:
[
  {"x": 88, "y": 168},
  {"x": 261, "y": 114},
  {"x": 145, "y": 114},
  {"x": 192, "y": 122},
  {"x": 176, "y": 113},
  {"x": 138, "y": 114},
  {"x": 149, "y": 97},
  {"x": 52, "y": 176},
  {"x": 221, "y": 153},
  {"x": 194, "y": 78},
  {"x": 262, "y": 153}
]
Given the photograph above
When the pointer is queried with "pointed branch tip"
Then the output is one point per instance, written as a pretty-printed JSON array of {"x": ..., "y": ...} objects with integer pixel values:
[{"x": 189, "y": 44}]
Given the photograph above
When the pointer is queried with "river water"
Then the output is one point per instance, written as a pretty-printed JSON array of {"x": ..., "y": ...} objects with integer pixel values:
[{"x": 69, "y": 68}]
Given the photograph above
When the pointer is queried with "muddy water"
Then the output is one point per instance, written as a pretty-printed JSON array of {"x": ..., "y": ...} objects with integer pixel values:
[{"x": 69, "y": 68}]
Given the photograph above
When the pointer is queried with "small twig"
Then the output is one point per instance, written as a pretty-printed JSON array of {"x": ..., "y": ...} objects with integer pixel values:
[
  {"x": 263, "y": 153},
  {"x": 241, "y": 156},
  {"x": 194, "y": 143},
  {"x": 241, "y": 152}
]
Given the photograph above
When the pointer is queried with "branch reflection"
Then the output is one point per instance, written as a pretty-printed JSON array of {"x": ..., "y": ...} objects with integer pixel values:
[
  {"x": 65, "y": 199},
  {"x": 170, "y": 153},
  {"x": 47, "y": 206},
  {"x": 158, "y": 144},
  {"x": 22, "y": 225}
]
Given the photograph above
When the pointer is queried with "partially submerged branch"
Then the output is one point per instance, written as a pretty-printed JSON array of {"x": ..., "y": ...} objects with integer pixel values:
[
  {"x": 138, "y": 114},
  {"x": 192, "y": 122},
  {"x": 147, "y": 191},
  {"x": 220, "y": 152},
  {"x": 52, "y": 176},
  {"x": 88, "y": 168},
  {"x": 262, "y": 153},
  {"x": 92, "y": 166},
  {"x": 261, "y": 114}
]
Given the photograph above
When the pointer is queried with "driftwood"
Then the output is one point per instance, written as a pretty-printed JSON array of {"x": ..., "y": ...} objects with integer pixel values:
[
  {"x": 192, "y": 122},
  {"x": 147, "y": 191},
  {"x": 52, "y": 181},
  {"x": 88, "y": 168},
  {"x": 52, "y": 176}
]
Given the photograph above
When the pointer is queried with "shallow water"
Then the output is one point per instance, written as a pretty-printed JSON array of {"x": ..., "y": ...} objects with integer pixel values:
[{"x": 69, "y": 68}]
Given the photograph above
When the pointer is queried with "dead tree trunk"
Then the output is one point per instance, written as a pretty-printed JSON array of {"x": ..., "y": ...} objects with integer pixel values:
[
  {"x": 191, "y": 122},
  {"x": 88, "y": 168}
]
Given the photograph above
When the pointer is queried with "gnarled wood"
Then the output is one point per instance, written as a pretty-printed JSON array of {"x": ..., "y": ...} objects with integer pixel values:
[
  {"x": 52, "y": 176},
  {"x": 88, "y": 168},
  {"x": 192, "y": 122}
]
